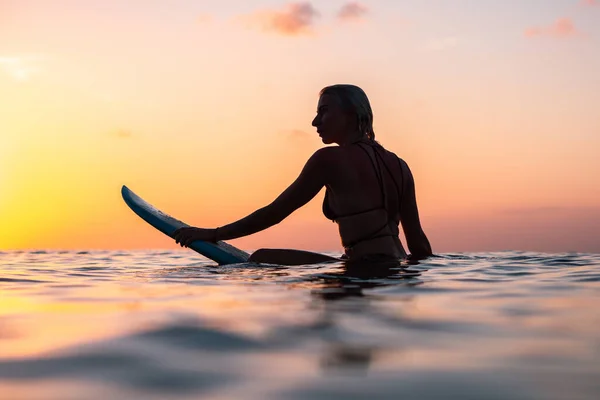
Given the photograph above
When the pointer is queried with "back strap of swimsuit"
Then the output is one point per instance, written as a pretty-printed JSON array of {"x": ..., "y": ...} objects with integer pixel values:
[{"x": 378, "y": 173}]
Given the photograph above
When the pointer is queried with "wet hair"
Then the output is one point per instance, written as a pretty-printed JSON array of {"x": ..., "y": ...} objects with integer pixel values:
[{"x": 354, "y": 99}]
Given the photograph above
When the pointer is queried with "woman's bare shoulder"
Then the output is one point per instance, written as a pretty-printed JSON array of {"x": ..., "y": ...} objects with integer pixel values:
[
  {"x": 328, "y": 153},
  {"x": 391, "y": 155},
  {"x": 398, "y": 159}
]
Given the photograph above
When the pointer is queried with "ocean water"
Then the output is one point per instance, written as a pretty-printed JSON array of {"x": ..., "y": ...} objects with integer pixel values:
[{"x": 172, "y": 325}]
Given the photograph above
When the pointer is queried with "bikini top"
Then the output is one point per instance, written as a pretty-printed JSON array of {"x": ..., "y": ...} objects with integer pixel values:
[{"x": 377, "y": 161}]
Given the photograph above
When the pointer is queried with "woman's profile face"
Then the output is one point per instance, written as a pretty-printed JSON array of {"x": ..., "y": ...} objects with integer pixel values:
[{"x": 332, "y": 122}]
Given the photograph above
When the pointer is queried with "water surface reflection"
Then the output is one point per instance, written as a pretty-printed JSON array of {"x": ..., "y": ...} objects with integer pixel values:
[{"x": 166, "y": 325}]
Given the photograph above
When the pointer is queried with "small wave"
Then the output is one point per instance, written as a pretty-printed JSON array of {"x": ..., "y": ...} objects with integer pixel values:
[
  {"x": 193, "y": 336},
  {"x": 21, "y": 280},
  {"x": 117, "y": 367}
]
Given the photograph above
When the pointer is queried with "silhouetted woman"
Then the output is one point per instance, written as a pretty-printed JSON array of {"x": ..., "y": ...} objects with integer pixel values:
[{"x": 369, "y": 191}]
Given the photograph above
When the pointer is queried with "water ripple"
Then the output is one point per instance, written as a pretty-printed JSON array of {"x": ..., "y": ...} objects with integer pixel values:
[{"x": 162, "y": 324}]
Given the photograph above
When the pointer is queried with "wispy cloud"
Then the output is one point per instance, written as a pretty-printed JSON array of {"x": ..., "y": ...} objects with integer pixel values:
[
  {"x": 544, "y": 210},
  {"x": 443, "y": 43},
  {"x": 21, "y": 69},
  {"x": 353, "y": 11},
  {"x": 561, "y": 28},
  {"x": 296, "y": 134},
  {"x": 293, "y": 20},
  {"x": 122, "y": 134},
  {"x": 591, "y": 3}
]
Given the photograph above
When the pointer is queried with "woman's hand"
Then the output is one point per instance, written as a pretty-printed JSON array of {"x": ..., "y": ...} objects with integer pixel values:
[{"x": 186, "y": 236}]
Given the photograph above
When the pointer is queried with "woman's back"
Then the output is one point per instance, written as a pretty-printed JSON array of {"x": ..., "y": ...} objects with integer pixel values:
[{"x": 364, "y": 197}]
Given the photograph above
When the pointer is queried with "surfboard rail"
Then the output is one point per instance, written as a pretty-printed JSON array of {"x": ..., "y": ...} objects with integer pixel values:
[{"x": 221, "y": 252}]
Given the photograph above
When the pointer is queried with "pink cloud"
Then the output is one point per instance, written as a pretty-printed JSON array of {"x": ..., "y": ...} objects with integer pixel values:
[
  {"x": 352, "y": 11},
  {"x": 561, "y": 28},
  {"x": 590, "y": 3},
  {"x": 204, "y": 19},
  {"x": 295, "y": 19}
]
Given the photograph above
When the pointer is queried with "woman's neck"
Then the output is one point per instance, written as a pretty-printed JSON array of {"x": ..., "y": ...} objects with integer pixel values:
[{"x": 355, "y": 137}]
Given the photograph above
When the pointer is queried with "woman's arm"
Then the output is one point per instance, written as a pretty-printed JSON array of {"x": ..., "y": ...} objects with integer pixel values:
[
  {"x": 417, "y": 242},
  {"x": 311, "y": 180}
]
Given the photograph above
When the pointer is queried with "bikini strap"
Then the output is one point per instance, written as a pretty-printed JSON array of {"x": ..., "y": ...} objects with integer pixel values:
[
  {"x": 401, "y": 194},
  {"x": 378, "y": 173},
  {"x": 396, "y": 184}
]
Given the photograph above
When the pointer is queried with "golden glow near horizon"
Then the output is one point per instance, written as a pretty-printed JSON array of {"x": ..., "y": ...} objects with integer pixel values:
[{"x": 497, "y": 121}]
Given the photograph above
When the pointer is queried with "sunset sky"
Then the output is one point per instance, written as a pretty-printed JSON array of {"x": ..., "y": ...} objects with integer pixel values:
[{"x": 203, "y": 108}]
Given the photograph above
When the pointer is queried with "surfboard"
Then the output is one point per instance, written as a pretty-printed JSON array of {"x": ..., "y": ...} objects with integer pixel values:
[{"x": 220, "y": 252}]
